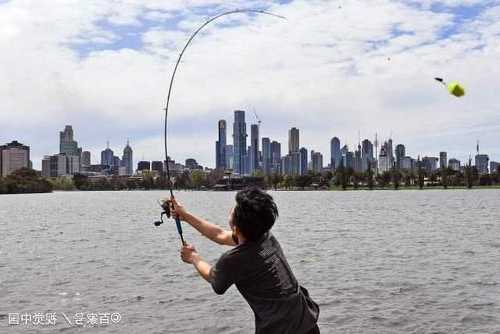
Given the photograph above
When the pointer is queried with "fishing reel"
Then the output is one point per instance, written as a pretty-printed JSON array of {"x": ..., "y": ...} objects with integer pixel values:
[{"x": 165, "y": 205}]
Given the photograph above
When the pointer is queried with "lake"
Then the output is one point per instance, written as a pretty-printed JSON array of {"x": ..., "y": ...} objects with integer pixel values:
[{"x": 376, "y": 262}]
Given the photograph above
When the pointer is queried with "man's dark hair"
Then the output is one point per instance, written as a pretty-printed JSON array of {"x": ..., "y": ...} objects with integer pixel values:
[{"x": 255, "y": 212}]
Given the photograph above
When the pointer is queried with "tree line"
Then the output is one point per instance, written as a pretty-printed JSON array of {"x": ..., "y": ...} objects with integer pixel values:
[
  {"x": 29, "y": 181},
  {"x": 23, "y": 181}
]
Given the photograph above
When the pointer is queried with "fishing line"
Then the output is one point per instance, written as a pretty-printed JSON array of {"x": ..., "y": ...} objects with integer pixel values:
[{"x": 165, "y": 206}]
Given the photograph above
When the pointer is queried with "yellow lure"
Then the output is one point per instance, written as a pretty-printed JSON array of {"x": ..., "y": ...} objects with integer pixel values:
[{"x": 456, "y": 89}]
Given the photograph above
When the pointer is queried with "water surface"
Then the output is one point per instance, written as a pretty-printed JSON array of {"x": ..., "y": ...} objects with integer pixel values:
[{"x": 376, "y": 262}]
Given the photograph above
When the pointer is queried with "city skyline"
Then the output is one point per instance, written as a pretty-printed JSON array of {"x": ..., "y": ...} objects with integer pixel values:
[
  {"x": 357, "y": 156},
  {"x": 107, "y": 74}
]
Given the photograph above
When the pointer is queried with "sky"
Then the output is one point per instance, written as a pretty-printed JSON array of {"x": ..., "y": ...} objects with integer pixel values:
[{"x": 333, "y": 68}]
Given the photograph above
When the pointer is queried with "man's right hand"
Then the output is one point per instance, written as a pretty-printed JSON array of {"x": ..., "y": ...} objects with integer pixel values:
[{"x": 177, "y": 209}]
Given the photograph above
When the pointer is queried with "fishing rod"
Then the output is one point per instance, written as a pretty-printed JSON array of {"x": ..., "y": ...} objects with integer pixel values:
[{"x": 166, "y": 205}]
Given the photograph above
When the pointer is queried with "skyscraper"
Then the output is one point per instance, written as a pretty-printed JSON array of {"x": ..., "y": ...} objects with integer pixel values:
[
  {"x": 335, "y": 154},
  {"x": 220, "y": 160},
  {"x": 384, "y": 160},
  {"x": 266, "y": 155},
  {"x": 303, "y": 161},
  {"x": 358, "y": 162},
  {"x": 86, "y": 160},
  {"x": 390, "y": 151},
  {"x": 367, "y": 157},
  {"x": 13, "y": 156},
  {"x": 67, "y": 144},
  {"x": 107, "y": 156},
  {"x": 454, "y": 164},
  {"x": 128, "y": 159},
  {"x": 316, "y": 161},
  {"x": 400, "y": 154},
  {"x": 275, "y": 157},
  {"x": 443, "y": 160},
  {"x": 482, "y": 161},
  {"x": 293, "y": 140},
  {"x": 229, "y": 157},
  {"x": 254, "y": 148},
  {"x": 239, "y": 142}
]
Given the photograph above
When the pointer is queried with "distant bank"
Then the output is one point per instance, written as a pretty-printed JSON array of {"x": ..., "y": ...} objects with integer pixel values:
[{"x": 29, "y": 181}]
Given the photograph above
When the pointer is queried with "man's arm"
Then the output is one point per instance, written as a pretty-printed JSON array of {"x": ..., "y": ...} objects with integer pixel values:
[
  {"x": 209, "y": 230},
  {"x": 203, "y": 268},
  {"x": 190, "y": 255}
]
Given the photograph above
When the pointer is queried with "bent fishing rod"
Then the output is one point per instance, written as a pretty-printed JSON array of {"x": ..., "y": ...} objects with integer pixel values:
[{"x": 166, "y": 205}]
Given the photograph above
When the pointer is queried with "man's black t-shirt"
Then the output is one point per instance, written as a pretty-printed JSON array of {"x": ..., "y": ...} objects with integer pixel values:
[{"x": 262, "y": 275}]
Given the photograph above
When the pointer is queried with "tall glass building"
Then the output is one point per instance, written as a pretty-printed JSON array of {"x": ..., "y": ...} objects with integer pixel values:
[{"x": 239, "y": 142}]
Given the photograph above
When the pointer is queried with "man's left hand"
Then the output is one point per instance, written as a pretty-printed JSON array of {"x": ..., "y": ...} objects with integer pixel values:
[{"x": 189, "y": 254}]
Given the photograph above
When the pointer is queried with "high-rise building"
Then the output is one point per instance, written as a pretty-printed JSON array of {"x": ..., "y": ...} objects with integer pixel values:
[
  {"x": 454, "y": 164},
  {"x": 192, "y": 164},
  {"x": 293, "y": 140},
  {"x": 295, "y": 163},
  {"x": 86, "y": 159},
  {"x": 367, "y": 155},
  {"x": 286, "y": 165},
  {"x": 494, "y": 167},
  {"x": 407, "y": 163},
  {"x": 116, "y": 162},
  {"x": 349, "y": 159},
  {"x": 60, "y": 165},
  {"x": 157, "y": 166},
  {"x": 266, "y": 155},
  {"x": 443, "y": 160},
  {"x": 303, "y": 161},
  {"x": 384, "y": 161},
  {"x": 390, "y": 151},
  {"x": 229, "y": 157},
  {"x": 239, "y": 142},
  {"x": 220, "y": 146},
  {"x": 254, "y": 148},
  {"x": 335, "y": 153},
  {"x": 400, "y": 154},
  {"x": 107, "y": 156},
  {"x": 358, "y": 162},
  {"x": 143, "y": 166},
  {"x": 128, "y": 159},
  {"x": 67, "y": 144},
  {"x": 316, "y": 162},
  {"x": 430, "y": 164},
  {"x": 276, "y": 157},
  {"x": 482, "y": 161},
  {"x": 13, "y": 156}
]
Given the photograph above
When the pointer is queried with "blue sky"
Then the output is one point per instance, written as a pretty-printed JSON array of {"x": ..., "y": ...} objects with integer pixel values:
[{"x": 332, "y": 69}]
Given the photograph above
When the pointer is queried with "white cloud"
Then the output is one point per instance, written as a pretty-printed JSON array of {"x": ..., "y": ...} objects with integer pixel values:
[{"x": 330, "y": 71}]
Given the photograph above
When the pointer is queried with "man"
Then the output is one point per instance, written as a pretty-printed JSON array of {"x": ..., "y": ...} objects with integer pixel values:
[{"x": 256, "y": 265}]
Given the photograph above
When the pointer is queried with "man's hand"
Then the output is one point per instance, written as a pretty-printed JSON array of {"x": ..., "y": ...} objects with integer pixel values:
[
  {"x": 176, "y": 209},
  {"x": 189, "y": 254}
]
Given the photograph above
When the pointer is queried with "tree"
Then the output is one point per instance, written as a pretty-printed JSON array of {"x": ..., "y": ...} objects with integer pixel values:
[
  {"x": 420, "y": 175},
  {"x": 395, "y": 177},
  {"x": 303, "y": 181},
  {"x": 468, "y": 175},
  {"x": 444, "y": 177},
  {"x": 341, "y": 177},
  {"x": 384, "y": 179},
  {"x": 198, "y": 179},
  {"x": 276, "y": 179},
  {"x": 81, "y": 182},
  {"x": 24, "y": 180}
]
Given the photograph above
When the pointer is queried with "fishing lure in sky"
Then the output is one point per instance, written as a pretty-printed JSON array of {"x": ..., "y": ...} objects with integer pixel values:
[{"x": 453, "y": 87}]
